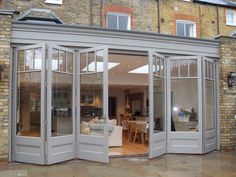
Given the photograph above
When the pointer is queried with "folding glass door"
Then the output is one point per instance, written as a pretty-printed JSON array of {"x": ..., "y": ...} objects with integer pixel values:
[
  {"x": 157, "y": 105},
  {"x": 28, "y": 104},
  {"x": 92, "y": 126},
  {"x": 43, "y": 105},
  {"x": 209, "y": 106},
  {"x": 184, "y": 87}
]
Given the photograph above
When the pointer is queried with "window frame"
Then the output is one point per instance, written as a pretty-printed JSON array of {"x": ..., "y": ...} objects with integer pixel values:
[
  {"x": 187, "y": 22},
  {"x": 234, "y": 17},
  {"x": 118, "y": 14},
  {"x": 53, "y": 2}
]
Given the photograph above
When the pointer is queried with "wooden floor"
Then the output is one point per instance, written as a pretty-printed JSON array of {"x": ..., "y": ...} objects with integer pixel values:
[{"x": 129, "y": 148}]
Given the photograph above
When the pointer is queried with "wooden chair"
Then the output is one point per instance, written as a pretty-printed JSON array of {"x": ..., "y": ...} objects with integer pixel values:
[{"x": 128, "y": 116}]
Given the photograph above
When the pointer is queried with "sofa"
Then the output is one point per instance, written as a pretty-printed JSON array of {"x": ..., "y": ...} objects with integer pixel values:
[{"x": 96, "y": 127}]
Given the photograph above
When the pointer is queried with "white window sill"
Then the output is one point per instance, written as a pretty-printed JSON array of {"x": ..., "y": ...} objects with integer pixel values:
[
  {"x": 53, "y": 2},
  {"x": 231, "y": 24}
]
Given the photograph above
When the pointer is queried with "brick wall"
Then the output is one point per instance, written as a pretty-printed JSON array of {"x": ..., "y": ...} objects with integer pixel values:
[
  {"x": 5, "y": 33},
  {"x": 227, "y": 95}
]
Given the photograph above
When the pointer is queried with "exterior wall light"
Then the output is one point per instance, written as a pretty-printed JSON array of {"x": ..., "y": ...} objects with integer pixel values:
[
  {"x": 1, "y": 70},
  {"x": 231, "y": 79}
]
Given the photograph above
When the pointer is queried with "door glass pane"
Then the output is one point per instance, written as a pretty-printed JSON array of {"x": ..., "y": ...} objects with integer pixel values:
[
  {"x": 183, "y": 68},
  {"x": 174, "y": 68},
  {"x": 37, "y": 58},
  {"x": 193, "y": 68},
  {"x": 62, "y": 60},
  {"x": 91, "y": 104},
  {"x": 21, "y": 60},
  {"x": 184, "y": 101},
  {"x": 83, "y": 63},
  {"x": 69, "y": 61},
  {"x": 29, "y": 59},
  {"x": 62, "y": 104},
  {"x": 154, "y": 65},
  {"x": 210, "y": 121},
  {"x": 99, "y": 60},
  {"x": 55, "y": 59},
  {"x": 162, "y": 68},
  {"x": 28, "y": 104},
  {"x": 123, "y": 22},
  {"x": 158, "y": 66},
  {"x": 112, "y": 21},
  {"x": 158, "y": 104},
  {"x": 91, "y": 62}
]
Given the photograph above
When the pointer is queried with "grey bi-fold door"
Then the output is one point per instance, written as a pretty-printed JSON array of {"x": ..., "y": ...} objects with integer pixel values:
[
  {"x": 28, "y": 131},
  {"x": 92, "y": 97},
  {"x": 157, "y": 104},
  {"x": 43, "y": 104}
]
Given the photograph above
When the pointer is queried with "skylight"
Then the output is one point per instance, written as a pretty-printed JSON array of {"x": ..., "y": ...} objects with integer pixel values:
[{"x": 91, "y": 66}]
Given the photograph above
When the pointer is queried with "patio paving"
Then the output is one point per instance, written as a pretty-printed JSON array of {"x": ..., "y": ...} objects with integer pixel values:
[{"x": 215, "y": 164}]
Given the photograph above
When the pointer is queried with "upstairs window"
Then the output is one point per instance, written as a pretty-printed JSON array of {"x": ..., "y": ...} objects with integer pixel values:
[
  {"x": 231, "y": 17},
  {"x": 53, "y": 1},
  {"x": 118, "y": 21},
  {"x": 185, "y": 28}
]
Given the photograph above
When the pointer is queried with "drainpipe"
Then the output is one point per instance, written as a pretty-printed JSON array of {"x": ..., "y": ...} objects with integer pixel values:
[
  {"x": 218, "y": 23},
  {"x": 101, "y": 12},
  {"x": 90, "y": 13},
  {"x": 159, "y": 18}
]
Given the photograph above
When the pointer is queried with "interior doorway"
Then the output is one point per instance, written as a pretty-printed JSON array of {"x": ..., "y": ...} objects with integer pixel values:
[{"x": 128, "y": 98}]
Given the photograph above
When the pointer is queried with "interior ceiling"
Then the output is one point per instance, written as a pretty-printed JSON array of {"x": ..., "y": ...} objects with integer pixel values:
[{"x": 126, "y": 63}]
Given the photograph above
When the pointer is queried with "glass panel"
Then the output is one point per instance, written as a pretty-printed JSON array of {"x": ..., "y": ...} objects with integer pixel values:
[
  {"x": 123, "y": 22},
  {"x": 184, "y": 98},
  {"x": 69, "y": 61},
  {"x": 162, "y": 67},
  {"x": 99, "y": 60},
  {"x": 180, "y": 29},
  {"x": 38, "y": 58},
  {"x": 189, "y": 30},
  {"x": 29, "y": 59},
  {"x": 158, "y": 66},
  {"x": 154, "y": 65},
  {"x": 206, "y": 69},
  {"x": 193, "y": 68},
  {"x": 91, "y": 62},
  {"x": 91, "y": 104},
  {"x": 21, "y": 60},
  {"x": 62, "y": 60},
  {"x": 174, "y": 68},
  {"x": 158, "y": 104},
  {"x": 83, "y": 63},
  {"x": 55, "y": 59},
  {"x": 62, "y": 104},
  {"x": 183, "y": 68},
  {"x": 210, "y": 121},
  {"x": 28, "y": 104},
  {"x": 112, "y": 21},
  {"x": 230, "y": 17}
]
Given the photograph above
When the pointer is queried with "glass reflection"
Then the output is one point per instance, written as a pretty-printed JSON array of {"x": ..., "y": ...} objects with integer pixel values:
[
  {"x": 91, "y": 104},
  {"x": 62, "y": 91}
]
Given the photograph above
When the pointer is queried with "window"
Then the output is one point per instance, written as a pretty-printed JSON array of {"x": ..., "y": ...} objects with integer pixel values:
[
  {"x": 118, "y": 21},
  {"x": 185, "y": 28},
  {"x": 53, "y": 1},
  {"x": 231, "y": 17}
]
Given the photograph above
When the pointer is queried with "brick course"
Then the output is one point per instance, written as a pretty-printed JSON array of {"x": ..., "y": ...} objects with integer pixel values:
[
  {"x": 227, "y": 64},
  {"x": 5, "y": 55}
]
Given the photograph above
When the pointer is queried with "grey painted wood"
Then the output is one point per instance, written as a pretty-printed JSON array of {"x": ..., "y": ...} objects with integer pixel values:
[
  {"x": 157, "y": 141},
  {"x": 25, "y": 148},
  {"x": 59, "y": 148},
  {"x": 68, "y": 35}
]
